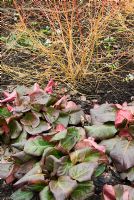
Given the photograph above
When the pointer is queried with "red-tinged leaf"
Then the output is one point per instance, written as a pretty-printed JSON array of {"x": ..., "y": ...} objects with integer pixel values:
[
  {"x": 40, "y": 98},
  {"x": 10, "y": 108},
  {"x": 125, "y": 133},
  {"x": 61, "y": 103},
  {"x": 32, "y": 177},
  {"x": 10, "y": 97},
  {"x": 5, "y": 128},
  {"x": 10, "y": 177},
  {"x": 24, "y": 169},
  {"x": 37, "y": 88},
  {"x": 49, "y": 87},
  {"x": 6, "y": 94},
  {"x": 59, "y": 128},
  {"x": 122, "y": 115},
  {"x": 108, "y": 192},
  {"x": 71, "y": 107},
  {"x": 90, "y": 142}
]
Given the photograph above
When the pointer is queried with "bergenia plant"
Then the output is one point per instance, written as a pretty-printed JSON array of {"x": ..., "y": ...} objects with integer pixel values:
[{"x": 58, "y": 156}]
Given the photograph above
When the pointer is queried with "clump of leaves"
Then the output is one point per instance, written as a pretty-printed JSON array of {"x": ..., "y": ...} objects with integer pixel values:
[{"x": 57, "y": 156}]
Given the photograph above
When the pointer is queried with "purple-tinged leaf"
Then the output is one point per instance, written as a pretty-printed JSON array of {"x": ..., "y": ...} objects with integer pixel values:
[
  {"x": 75, "y": 118},
  {"x": 122, "y": 155},
  {"x": 103, "y": 113},
  {"x": 30, "y": 119},
  {"x": 42, "y": 127},
  {"x": 63, "y": 187},
  {"x": 32, "y": 177}
]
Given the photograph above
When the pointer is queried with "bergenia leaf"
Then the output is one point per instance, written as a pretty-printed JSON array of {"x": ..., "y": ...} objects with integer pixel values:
[
  {"x": 63, "y": 187},
  {"x": 22, "y": 195},
  {"x": 36, "y": 146},
  {"x": 83, "y": 171},
  {"x": 51, "y": 114},
  {"x": 90, "y": 142},
  {"x": 4, "y": 112},
  {"x": 103, "y": 113},
  {"x": 65, "y": 165},
  {"x": 49, "y": 87},
  {"x": 59, "y": 136},
  {"x": 122, "y": 155},
  {"x": 30, "y": 119},
  {"x": 75, "y": 118},
  {"x": 45, "y": 194},
  {"x": 10, "y": 98},
  {"x": 123, "y": 115},
  {"x": 33, "y": 176},
  {"x": 63, "y": 120},
  {"x": 101, "y": 131},
  {"x": 129, "y": 174},
  {"x": 109, "y": 192},
  {"x": 84, "y": 155},
  {"x": 83, "y": 191},
  {"x": 15, "y": 129},
  {"x": 52, "y": 164},
  {"x": 70, "y": 140},
  {"x": 43, "y": 126}
]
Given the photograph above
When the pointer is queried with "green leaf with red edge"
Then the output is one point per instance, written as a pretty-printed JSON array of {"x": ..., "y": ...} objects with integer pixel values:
[
  {"x": 22, "y": 195},
  {"x": 35, "y": 146},
  {"x": 63, "y": 119},
  {"x": 83, "y": 191},
  {"x": 83, "y": 171},
  {"x": 15, "y": 129},
  {"x": 70, "y": 140},
  {"x": 45, "y": 194},
  {"x": 63, "y": 187},
  {"x": 51, "y": 114},
  {"x": 84, "y": 155},
  {"x": 42, "y": 127},
  {"x": 101, "y": 132},
  {"x": 59, "y": 136},
  {"x": 30, "y": 119}
]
